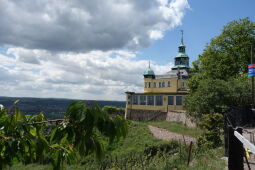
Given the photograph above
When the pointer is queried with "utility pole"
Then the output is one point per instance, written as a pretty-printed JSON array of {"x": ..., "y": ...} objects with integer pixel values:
[{"x": 252, "y": 81}]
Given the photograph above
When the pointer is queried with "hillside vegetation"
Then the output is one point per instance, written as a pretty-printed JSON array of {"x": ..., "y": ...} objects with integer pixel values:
[{"x": 140, "y": 150}]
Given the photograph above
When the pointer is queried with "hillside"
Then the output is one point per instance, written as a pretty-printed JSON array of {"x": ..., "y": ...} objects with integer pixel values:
[
  {"x": 51, "y": 107},
  {"x": 140, "y": 150}
]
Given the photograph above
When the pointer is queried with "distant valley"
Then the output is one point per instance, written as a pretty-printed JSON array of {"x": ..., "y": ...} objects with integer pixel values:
[{"x": 51, "y": 107}]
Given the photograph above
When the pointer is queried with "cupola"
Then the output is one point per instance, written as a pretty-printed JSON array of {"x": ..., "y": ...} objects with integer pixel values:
[{"x": 149, "y": 73}]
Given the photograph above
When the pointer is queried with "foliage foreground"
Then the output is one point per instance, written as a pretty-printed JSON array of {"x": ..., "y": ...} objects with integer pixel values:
[
  {"x": 32, "y": 139},
  {"x": 140, "y": 150}
]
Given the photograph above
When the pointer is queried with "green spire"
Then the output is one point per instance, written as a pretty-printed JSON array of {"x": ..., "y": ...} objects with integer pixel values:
[
  {"x": 182, "y": 59},
  {"x": 149, "y": 73}
]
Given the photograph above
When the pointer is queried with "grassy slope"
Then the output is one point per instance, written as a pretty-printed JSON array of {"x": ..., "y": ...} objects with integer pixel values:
[
  {"x": 209, "y": 160},
  {"x": 140, "y": 138}
]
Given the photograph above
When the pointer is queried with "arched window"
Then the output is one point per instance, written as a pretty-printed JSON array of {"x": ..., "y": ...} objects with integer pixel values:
[
  {"x": 155, "y": 84},
  {"x": 168, "y": 84},
  {"x": 163, "y": 84}
]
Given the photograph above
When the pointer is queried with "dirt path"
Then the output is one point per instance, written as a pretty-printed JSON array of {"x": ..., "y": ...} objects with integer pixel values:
[{"x": 167, "y": 135}]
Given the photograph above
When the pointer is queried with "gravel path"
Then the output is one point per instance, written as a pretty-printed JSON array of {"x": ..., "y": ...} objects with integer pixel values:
[{"x": 167, "y": 135}]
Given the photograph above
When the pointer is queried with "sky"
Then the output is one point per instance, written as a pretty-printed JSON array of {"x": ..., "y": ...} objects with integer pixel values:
[{"x": 84, "y": 49}]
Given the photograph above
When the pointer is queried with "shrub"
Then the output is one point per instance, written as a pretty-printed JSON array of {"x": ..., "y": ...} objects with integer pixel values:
[{"x": 212, "y": 124}]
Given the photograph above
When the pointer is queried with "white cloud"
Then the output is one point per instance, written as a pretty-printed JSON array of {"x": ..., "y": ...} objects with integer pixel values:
[
  {"x": 92, "y": 75},
  {"x": 83, "y": 26},
  {"x": 81, "y": 49}
]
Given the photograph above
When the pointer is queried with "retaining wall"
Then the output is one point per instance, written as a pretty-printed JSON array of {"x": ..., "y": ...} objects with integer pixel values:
[
  {"x": 144, "y": 115},
  {"x": 157, "y": 115}
]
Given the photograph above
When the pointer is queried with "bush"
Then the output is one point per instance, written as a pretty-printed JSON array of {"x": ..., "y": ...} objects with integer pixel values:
[
  {"x": 114, "y": 110},
  {"x": 212, "y": 124}
]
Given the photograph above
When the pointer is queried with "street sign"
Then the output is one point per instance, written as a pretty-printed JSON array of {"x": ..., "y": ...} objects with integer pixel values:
[{"x": 251, "y": 70}]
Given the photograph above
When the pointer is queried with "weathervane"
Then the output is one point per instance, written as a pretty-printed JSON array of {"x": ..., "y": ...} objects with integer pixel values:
[{"x": 182, "y": 36}]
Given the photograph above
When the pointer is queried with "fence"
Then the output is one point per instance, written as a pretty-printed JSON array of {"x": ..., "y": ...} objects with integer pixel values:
[{"x": 234, "y": 122}]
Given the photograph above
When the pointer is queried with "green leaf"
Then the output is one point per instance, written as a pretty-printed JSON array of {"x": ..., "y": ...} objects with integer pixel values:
[
  {"x": 53, "y": 133},
  {"x": 33, "y": 131}
]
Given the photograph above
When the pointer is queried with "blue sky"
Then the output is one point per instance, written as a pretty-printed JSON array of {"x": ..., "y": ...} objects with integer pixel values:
[
  {"x": 202, "y": 22},
  {"x": 96, "y": 49}
]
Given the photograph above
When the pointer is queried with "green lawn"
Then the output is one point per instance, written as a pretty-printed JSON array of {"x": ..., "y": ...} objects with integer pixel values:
[{"x": 177, "y": 128}]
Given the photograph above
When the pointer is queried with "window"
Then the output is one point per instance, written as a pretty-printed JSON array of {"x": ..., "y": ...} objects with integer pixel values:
[
  {"x": 129, "y": 98},
  {"x": 135, "y": 100},
  {"x": 170, "y": 100},
  {"x": 149, "y": 85},
  {"x": 182, "y": 84},
  {"x": 142, "y": 100},
  {"x": 178, "y": 100},
  {"x": 155, "y": 85},
  {"x": 168, "y": 84},
  {"x": 163, "y": 84},
  {"x": 150, "y": 100},
  {"x": 159, "y": 84},
  {"x": 159, "y": 100},
  {"x": 145, "y": 84}
]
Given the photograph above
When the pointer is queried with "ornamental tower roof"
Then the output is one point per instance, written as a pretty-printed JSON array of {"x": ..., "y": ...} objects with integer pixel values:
[
  {"x": 149, "y": 73},
  {"x": 182, "y": 59}
]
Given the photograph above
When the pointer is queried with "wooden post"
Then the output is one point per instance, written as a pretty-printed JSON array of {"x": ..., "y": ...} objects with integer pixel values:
[
  {"x": 226, "y": 134},
  {"x": 190, "y": 147},
  {"x": 235, "y": 150}
]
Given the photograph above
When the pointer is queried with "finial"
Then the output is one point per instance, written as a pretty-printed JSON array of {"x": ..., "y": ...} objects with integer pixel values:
[
  {"x": 182, "y": 37},
  {"x": 149, "y": 64}
]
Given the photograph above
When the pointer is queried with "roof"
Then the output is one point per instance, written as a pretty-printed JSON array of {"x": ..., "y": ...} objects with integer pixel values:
[
  {"x": 149, "y": 71},
  {"x": 173, "y": 74},
  {"x": 180, "y": 66},
  {"x": 167, "y": 93},
  {"x": 181, "y": 55}
]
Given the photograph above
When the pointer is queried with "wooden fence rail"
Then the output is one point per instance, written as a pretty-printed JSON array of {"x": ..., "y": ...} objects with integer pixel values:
[{"x": 236, "y": 153}]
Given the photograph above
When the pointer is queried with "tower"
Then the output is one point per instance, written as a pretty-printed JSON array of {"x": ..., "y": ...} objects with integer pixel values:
[{"x": 181, "y": 61}]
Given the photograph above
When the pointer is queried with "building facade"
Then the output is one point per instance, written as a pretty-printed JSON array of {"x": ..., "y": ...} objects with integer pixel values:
[{"x": 162, "y": 93}]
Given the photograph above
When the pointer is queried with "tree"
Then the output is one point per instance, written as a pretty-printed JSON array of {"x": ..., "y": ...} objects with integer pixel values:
[
  {"x": 218, "y": 78},
  {"x": 229, "y": 53},
  {"x": 31, "y": 139},
  {"x": 112, "y": 110},
  {"x": 217, "y": 96}
]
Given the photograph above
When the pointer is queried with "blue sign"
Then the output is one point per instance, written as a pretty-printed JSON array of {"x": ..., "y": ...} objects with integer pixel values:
[{"x": 251, "y": 70}]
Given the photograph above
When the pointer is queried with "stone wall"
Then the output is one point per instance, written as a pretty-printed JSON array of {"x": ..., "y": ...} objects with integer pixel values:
[
  {"x": 179, "y": 116},
  {"x": 145, "y": 115},
  {"x": 156, "y": 115}
]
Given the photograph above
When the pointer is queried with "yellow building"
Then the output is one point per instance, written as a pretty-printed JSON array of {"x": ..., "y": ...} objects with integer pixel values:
[{"x": 162, "y": 93}]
